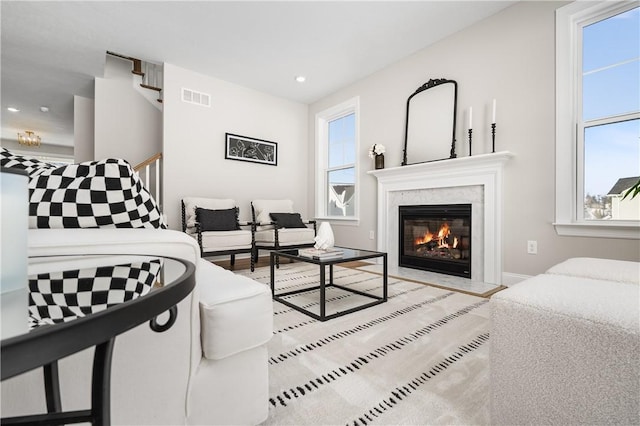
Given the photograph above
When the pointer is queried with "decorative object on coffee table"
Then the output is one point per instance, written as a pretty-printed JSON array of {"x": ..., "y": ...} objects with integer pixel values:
[
  {"x": 321, "y": 254},
  {"x": 325, "y": 238}
]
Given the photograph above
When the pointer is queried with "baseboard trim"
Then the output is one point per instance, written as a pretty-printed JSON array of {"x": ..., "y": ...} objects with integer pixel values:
[{"x": 509, "y": 278}]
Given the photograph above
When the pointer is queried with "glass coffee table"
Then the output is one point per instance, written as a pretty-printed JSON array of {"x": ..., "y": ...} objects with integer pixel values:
[{"x": 366, "y": 299}]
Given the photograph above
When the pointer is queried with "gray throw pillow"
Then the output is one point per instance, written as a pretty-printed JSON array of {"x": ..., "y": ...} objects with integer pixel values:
[
  {"x": 287, "y": 220},
  {"x": 217, "y": 220}
]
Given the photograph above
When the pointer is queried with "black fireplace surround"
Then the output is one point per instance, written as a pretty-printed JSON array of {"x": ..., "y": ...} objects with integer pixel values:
[{"x": 436, "y": 238}]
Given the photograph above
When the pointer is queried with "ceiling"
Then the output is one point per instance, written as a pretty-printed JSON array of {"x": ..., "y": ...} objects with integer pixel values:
[{"x": 52, "y": 50}]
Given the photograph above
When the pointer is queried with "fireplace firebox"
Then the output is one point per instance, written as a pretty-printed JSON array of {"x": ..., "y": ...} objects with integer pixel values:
[{"x": 436, "y": 238}]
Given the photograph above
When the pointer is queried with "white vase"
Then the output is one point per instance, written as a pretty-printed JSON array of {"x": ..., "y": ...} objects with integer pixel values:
[{"x": 324, "y": 238}]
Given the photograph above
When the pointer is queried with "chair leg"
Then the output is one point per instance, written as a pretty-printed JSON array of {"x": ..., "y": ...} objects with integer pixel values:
[
  {"x": 233, "y": 260},
  {"x": 253, "y": 263}
]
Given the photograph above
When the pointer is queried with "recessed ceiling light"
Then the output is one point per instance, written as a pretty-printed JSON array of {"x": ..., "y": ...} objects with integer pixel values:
[
  {"x": 13, "y": 109},
  {"x": 44, "y": 109},
  {"x": 301, "y": 79}
]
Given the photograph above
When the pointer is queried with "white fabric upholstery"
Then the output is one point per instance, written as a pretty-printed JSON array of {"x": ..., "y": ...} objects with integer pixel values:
[
  {"x": 48, "y": 242},
  {"x": 607, "y": 303},
  {"x": 265, "y": 235},
  {"x": 600, "y": 269},
  {"x": 166, "y": 378},
  {"x": 262, "y": 208},
  {"x": 215, "y": 241},
  {"x": 226, "y": 240},
  {"x": 190, "y": 204},
  {"x": 229, "y": 304},
  {"x": 564, "y": 348},
  {"x": 244, "y": 385},
  {"x": 286, "y": 236}
]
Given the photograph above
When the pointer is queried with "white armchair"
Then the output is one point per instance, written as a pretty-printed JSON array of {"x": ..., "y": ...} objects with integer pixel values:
[
  {"x": 277, "y": 227},
  {"x": 210, "y": 367},
  {"x": 214, "y": 223}
]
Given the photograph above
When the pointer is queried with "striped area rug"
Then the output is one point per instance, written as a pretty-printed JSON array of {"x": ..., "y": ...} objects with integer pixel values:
[{"x": 420, "y": 358}]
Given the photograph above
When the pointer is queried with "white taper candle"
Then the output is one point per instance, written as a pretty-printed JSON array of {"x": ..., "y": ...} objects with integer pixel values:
[
  {"x": 493, "y": 117},
  {"x": 470, "y": 117}
]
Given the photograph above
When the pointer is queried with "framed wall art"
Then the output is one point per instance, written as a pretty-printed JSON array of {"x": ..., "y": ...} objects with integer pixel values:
[{"x": 243, "y": 148}]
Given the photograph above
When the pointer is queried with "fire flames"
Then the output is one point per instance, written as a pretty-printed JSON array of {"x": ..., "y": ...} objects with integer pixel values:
[{"x": 441, "y": 238}]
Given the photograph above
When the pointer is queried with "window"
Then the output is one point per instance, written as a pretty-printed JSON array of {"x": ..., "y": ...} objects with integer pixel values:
[
  {"x": 598, "y": 119},
  {"x": 337, "y": 164}
]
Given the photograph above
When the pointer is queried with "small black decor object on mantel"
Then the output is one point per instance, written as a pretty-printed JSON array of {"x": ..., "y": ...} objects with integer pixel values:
[
  {"x": 493, "y": 137},
  {"x": 377, "y": 153}
]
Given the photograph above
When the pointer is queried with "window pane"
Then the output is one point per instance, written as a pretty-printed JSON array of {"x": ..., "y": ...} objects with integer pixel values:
[
  {"x": 612, "y": 91},
  {"x": 611, "y": 41},
  {"x": 341, "y": 188},
  {"x": 611, "y": 66},
  {"x": 342, "y": 136},
  {"x": 611, "y": 161}
]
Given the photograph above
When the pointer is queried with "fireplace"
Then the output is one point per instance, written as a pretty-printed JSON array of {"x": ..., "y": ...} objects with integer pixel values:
[{"x": 436, "y": 238}]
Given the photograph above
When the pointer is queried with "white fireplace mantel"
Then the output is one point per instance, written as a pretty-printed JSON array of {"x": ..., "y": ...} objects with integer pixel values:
[{"x": 484, "y": 170}]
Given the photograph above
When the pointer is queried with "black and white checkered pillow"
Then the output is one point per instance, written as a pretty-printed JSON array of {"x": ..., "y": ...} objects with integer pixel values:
[
  {"x": 106, "y": 193},
  {"x": 64, "y": 296}
]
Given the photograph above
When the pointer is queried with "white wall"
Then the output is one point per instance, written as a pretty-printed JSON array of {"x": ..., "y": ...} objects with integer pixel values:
[
  {"x": 126, "y": 124},
  {"x": 509, "y": 57},
  {"x": 194, "y": 145},
  {"x": 83, "y": 129}
]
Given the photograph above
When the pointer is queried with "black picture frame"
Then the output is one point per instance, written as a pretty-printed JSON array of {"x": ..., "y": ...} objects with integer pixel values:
[{"x": 243, "y": 148}]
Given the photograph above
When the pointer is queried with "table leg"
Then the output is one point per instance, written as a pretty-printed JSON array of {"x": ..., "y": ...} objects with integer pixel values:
[
  {"x": 272, "y": 274},
  {"x": 322, "y": 293},
  {"x": 52, "y": 387},
  {"x": 330, "y": 274},
  {"x": 385, "y": 277}
]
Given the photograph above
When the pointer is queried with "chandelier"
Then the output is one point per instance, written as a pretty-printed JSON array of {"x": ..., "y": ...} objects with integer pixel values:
[{"x": 29, "y": 138}]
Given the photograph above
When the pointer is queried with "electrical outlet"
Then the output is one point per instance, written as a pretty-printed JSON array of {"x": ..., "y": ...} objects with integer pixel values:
[
  {"x": 532, "y": 247},
  {"x": 372, "y": 235}
]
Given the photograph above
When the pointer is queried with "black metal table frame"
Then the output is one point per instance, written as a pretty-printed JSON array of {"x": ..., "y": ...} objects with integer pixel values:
[
  {"x": 25, "y": 352},
  {"x": 322, "y": 286}
]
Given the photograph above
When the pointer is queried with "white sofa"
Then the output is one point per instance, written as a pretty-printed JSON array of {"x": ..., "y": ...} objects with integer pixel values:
[
  {"x": 565, "y": 346},
  {"x": 209, "y": 368}
]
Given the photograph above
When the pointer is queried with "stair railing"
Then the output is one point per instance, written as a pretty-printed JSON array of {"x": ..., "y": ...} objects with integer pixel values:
[
  {"x": 150, "y": 173},
  {"x": 150, "y": 73}
]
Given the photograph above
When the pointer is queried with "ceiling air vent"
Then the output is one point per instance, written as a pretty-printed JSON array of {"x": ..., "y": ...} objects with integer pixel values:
[{"x": 198, "y": 98}]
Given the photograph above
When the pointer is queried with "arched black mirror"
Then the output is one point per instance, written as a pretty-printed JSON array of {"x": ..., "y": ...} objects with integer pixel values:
[{"x": 430, "y": 132}]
